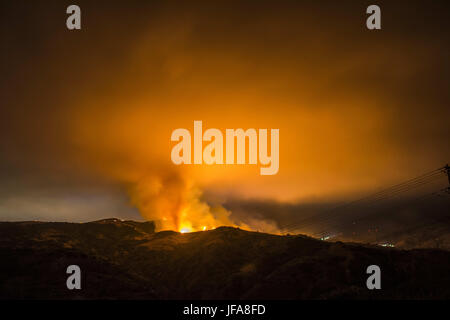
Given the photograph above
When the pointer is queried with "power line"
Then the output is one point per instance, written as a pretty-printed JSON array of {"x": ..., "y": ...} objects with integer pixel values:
[
  {"x": 420, "y": 198},
  {"x": 367, "y": 200},
  {"x": 387, "y": 193},
  {"x": 330, "y": 218}
]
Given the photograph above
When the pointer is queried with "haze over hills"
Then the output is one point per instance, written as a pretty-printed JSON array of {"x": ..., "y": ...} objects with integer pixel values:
[{"x": 128, "y": 260}]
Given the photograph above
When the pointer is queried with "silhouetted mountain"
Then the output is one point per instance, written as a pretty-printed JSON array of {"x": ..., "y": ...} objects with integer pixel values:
[{"x": 128, "y": 260}]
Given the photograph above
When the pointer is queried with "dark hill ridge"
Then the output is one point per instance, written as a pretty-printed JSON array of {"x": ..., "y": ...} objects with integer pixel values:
[{"x": 128, "y": 260}]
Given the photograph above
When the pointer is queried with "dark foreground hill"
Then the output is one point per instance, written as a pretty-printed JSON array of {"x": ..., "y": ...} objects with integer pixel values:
[{"x": 127, "y": 260}]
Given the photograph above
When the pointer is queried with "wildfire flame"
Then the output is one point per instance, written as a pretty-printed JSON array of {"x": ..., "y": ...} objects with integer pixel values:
[{"x": 174, "y": 203}]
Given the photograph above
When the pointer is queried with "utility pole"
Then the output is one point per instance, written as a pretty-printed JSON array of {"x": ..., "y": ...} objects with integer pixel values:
[{"x": 447, "y": 171}]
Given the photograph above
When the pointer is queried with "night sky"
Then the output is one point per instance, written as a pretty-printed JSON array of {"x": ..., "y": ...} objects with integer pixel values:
[{"x": 86, "y": 116}]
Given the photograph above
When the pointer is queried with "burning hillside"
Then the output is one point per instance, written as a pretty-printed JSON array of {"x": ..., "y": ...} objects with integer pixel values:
[{"x": 126, "y": 259}]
